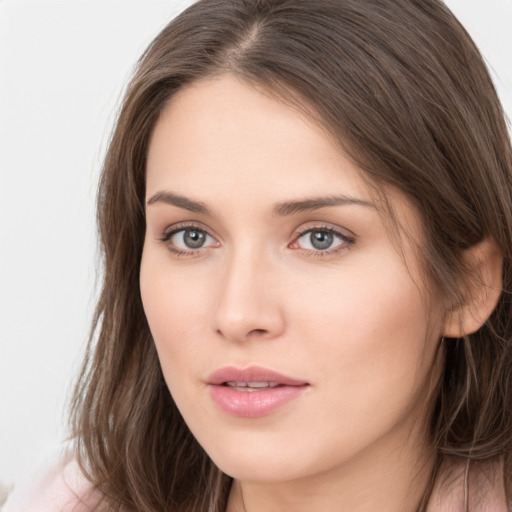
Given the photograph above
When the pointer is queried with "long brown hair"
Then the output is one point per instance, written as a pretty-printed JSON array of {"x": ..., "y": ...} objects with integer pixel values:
[{"x": 404, "y": 90}]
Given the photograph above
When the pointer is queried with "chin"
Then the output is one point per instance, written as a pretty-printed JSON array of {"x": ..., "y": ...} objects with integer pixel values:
[
  {"x": 262, "y": 460},
  {"x": 254, "y": 469}
]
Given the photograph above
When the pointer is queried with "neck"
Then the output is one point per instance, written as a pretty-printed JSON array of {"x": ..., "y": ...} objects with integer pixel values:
[{"x": 381, "y": 479}]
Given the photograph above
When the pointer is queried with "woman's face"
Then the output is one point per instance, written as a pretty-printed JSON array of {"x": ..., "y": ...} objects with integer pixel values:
[{"x": 293, "y": 334}]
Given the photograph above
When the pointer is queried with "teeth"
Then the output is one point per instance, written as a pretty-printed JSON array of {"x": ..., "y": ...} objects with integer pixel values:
[
  {"x": 258, "y": 385},
  {"x": 262, "y": 384}
]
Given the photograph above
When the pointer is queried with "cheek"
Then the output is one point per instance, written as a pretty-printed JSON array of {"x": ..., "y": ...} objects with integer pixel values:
[
  {"x": 371, "y": 330},
  {"x": 370, "y": 340},
  {"x": 176, "y": 302}
]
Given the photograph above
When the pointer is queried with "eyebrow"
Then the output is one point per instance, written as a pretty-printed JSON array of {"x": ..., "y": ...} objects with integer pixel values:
[
  {"x": 280, "y": 210},
  {"x": 315, "y": 203},
  {"x": 179, "y": 201}
]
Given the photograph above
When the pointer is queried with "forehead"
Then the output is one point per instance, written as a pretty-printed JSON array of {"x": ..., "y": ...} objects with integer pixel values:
[{"x": 226, "y": 134}]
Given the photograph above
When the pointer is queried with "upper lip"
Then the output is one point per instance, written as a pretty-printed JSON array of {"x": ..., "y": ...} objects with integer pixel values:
[{"x": 252, "y": 374}]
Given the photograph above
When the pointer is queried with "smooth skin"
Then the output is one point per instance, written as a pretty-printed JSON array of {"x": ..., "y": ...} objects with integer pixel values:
[{"x": 245, "y": 263}]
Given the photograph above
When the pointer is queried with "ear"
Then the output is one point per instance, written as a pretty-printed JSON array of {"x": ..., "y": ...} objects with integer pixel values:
[{"x": 485, "y": 263}]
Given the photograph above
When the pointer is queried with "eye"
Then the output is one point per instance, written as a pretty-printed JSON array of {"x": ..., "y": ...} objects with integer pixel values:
[
  {"x": 188, "y": 239},
  {"x": 320, "y": 240}
]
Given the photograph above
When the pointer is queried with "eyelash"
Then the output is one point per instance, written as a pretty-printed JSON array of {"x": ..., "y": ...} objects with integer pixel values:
[{"x": 346, "y": 240}]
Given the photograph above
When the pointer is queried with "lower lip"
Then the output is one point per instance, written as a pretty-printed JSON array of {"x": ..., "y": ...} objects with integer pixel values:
[{"x": 254, "y": 404}]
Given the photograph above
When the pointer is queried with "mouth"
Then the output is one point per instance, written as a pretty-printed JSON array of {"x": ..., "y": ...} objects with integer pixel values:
[{"x": 253, "y": 392}]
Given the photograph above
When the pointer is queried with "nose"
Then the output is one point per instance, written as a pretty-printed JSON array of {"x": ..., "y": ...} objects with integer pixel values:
[{"x": 249, "y": 302}]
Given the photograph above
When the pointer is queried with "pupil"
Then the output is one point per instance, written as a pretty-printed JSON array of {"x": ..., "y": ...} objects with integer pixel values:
[
  {"x": 321, "y": 239},
  {"x": 194, "y": 239}
]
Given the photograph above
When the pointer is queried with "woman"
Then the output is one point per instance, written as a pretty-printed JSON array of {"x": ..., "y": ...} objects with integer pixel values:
[{"x": 306, "y": 218}]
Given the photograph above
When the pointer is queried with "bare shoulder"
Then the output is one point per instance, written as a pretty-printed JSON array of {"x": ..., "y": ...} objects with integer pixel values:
[
  {"x": 478, "y": 486},
  {"x": 60, "y": 488}
]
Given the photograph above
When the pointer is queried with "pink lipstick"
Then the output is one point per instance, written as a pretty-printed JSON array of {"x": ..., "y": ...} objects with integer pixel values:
[{"x": 252, "y": 392}]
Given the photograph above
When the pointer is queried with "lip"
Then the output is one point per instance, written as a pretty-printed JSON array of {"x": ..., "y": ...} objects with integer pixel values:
[{"x": 259, "y": 401}]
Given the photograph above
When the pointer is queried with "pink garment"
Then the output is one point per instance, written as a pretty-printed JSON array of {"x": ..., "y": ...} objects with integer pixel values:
[{"x": 63, "y": 488}]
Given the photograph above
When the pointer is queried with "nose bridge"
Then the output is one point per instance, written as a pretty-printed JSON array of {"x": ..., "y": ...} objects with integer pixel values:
[{"x": 246, "y": 305}]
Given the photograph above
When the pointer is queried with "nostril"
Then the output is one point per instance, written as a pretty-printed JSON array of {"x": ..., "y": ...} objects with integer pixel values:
[
  {"x": 258, "y": 332},
  {"x": 239, "y": 336}
]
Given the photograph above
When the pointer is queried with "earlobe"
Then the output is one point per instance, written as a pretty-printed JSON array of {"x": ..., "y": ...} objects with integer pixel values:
[{"x": 485, "y": 263}]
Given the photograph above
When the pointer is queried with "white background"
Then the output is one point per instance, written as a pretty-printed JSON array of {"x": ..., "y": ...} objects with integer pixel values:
[{"x": 63, "y": 68}]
